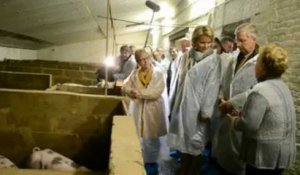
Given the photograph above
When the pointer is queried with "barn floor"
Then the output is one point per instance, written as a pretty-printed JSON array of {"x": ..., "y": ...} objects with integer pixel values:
[{"x": 169, "y": 165}]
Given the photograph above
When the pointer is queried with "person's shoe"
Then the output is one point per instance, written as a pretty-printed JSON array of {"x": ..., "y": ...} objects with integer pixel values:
[
  {"x": 151, "y": 168},
  {"x": 209, "y": 168},
  {"x": 205, "y": 167},
  {"x": 206, "y": 153},
  {"x": 213, "y": 172},
  {"x": 175, "y": 154}
]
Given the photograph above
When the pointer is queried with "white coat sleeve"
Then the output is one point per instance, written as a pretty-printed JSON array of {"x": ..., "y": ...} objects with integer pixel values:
[
  {"x": 128, "y": 83},
  {"x": 239, "y": 100},
  {"x": 190, "y": 105},
  {"x": 154, "y": 92},
  {"x": 195, "y": 129},
  {"x": 253, "y": 113},
  {"x": 211, "y": 91}
]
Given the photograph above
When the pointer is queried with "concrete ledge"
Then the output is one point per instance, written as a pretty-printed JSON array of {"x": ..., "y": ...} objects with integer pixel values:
[
  {"x": 126, "y": 156},
  {"x": 22, "y": 80},
  {"x": 79, "y": 88}
]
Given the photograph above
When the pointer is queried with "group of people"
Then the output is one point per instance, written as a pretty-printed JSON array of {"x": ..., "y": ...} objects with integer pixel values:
[
  {"x": 235, "y": 107},
  {"x": 121, "y": 66}
]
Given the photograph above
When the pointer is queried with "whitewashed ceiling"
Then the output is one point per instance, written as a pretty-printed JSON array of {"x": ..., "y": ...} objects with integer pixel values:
[{"x": 34, "y": 24}]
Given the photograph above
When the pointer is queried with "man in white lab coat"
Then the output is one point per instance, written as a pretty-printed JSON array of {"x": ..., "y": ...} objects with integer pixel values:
[{"x": 238, "y": 79}]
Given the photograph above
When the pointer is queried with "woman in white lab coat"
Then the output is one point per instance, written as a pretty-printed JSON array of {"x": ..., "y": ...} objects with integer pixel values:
[
  {"x": 145, "y": 86},
  {"x": 185, "y": 105}
]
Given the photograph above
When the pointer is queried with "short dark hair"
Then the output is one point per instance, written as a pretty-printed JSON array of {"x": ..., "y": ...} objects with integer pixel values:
[
  {"x": 227, "y": 39},
  {"x": 124, "y": 48}
]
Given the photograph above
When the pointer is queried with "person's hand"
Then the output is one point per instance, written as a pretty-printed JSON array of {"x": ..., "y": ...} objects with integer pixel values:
[
  {"x": 225, "y": 106},
  {"x": 235, "y": 113},
  {"x": 231, "y": 117},
  {"x": 134, "y": 93}
]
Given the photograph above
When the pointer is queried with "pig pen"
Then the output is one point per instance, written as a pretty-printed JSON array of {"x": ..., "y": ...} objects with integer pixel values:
[
  {"x": 78, "y": 126},
  {"x": 25, "y": 80}
]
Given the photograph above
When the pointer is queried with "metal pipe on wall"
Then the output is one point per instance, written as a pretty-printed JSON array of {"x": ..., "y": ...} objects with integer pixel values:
[{"x": 106, "y": 49}]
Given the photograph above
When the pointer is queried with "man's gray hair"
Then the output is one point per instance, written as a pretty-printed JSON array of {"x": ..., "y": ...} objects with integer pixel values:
[{"x": 249, "y": 28}]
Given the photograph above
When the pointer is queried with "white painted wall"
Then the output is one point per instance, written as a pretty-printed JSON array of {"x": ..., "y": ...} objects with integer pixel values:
[
  {"x": 189, "y": 14},
  {"x": 17, "y": 54},
  {"x": 89, "y": 51},
  {"x": 191, "y": 10}
]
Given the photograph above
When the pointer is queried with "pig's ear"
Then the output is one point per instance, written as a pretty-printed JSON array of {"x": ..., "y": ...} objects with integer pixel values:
[{"x": 35, "y": 149}]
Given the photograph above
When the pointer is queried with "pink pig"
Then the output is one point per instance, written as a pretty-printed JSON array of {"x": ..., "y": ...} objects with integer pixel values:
[
  {"x": 49, "y": 159},
  {"x": 6, "y": 163}
]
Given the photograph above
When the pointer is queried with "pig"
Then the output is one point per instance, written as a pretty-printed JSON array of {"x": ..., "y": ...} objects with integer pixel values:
[
  {"x": 49, "y": 159},
  {"x": 6, "y": 163}
]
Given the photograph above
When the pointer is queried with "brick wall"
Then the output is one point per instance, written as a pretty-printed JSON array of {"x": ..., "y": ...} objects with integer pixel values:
[
  {"x": 62, "y": 72},
  {"x": 284, "y": 29}
]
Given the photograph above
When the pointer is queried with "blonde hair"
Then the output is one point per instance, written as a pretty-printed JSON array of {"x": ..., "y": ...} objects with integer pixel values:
[
  {"x": 274, "y": 60},
  {"x": 202, "y": 31},
  {"x": 139, "y": 52},
  {"x": 249, "y": 28}
]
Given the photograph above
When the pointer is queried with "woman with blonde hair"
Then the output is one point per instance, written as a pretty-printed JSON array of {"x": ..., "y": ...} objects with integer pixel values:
[
  {"x": 145, "y": 87},
  {"x": 198, "y": 70},
  {"x": 268, "y": 118}
]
